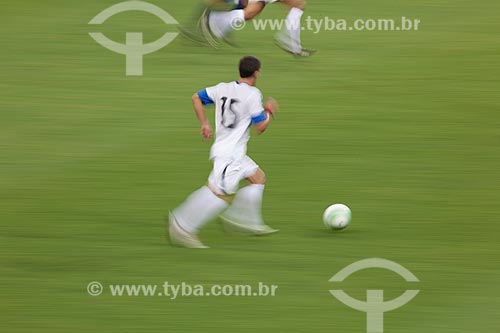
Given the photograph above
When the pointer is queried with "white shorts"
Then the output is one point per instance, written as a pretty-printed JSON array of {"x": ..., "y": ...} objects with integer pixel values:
[{"x": 227, "y": 174}]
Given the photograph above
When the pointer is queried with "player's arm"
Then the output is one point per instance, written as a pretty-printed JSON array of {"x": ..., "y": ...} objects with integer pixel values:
[
  {"x": 200, "y": 99},
  {"x": 262, "y": 121},
  {"x": 260, "y": 124}
]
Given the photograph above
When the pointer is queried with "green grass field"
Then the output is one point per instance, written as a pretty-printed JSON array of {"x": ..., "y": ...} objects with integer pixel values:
[{"x": 401, "y": 126}]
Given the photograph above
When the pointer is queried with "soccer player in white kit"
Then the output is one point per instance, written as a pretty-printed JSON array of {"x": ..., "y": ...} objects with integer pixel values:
[{"x": 238, "y": 106}]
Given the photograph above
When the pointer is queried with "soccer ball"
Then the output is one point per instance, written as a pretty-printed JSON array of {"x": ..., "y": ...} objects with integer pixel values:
[{"x": 337, "y": 216}]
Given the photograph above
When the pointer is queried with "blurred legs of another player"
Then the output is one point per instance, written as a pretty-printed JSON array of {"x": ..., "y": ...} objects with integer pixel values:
[
  {"x": 289, "y": 38},
  {"x": 198, "y": 30},
  {"x": 220, "y": 24}
]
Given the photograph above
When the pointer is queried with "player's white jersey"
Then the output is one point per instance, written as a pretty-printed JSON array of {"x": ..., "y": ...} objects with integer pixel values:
[{"x": 237, "y": 106}]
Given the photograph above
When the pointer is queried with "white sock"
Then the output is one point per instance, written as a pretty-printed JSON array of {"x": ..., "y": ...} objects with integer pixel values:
[
  {"x": 221, "y": 23},
  {"x": 198, "y": 209},
  {"x": 247, "y": 205},
  {"x": 293, "y": 28}
]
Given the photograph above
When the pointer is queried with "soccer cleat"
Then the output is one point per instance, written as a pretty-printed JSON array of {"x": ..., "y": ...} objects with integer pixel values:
[
  {"x": 266, "y": 230},
  {"x": 200, "y": 32},
  {"x": 304, "y": 53},
  {"x": 204, "y": 28},
  {"x": 181, "y": 237},
  {"x": 296, "y": 52},
  {"x": 256, "y": 230}
]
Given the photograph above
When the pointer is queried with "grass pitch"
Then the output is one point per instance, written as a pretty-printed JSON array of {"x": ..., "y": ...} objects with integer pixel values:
[{"x": 401, "y": 126}]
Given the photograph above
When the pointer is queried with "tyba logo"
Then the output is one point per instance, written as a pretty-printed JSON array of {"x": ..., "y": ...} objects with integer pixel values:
[
  {"x": 134, "y": 48},
  {"x": 375, "y": 306}
]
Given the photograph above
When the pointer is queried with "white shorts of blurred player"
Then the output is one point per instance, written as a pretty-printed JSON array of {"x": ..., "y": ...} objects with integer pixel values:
[{"x": 227, "y": 174}]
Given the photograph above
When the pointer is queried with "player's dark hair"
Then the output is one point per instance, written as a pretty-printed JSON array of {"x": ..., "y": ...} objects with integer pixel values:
[{"x": 248, "y": 66}]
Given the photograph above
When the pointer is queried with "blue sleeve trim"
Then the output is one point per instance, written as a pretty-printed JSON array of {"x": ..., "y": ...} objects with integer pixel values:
[
  {"x": 203, "y": 95},
  {"x": 260, "y": 118}
]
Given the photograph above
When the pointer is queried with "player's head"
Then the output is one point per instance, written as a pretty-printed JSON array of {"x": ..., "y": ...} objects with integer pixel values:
[{"x": 249, "y": 67}]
